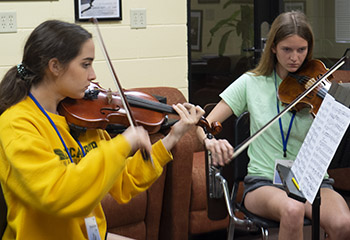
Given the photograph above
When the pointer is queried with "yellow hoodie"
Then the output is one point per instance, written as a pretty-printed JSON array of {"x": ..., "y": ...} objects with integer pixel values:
[{"x": 47, "y": 196}]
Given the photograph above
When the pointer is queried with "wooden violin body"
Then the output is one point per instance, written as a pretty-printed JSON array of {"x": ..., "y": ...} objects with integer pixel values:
[
  {"x": 100, "y": 108},
  {"x": 296, "y": 83}
]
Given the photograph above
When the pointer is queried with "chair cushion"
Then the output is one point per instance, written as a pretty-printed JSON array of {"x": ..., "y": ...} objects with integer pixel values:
[
  {"x": 133, "y": 231},
  {"x": 198, "y": 187},
  {"x": 130, "y": 213},
  {"x": 199, "y": 221}
]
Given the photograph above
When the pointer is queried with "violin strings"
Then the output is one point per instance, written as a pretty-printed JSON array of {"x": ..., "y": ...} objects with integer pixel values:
[
  {"x": 157, "y": 106},
  {"x": 320, "y": 91}
]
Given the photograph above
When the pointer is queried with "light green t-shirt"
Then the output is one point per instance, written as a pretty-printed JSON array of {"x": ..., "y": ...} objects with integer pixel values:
[{"x": 257, "y": 95}]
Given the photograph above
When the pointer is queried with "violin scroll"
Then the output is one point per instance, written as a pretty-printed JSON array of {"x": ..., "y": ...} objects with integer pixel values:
[{"x": 213, "y": 128}]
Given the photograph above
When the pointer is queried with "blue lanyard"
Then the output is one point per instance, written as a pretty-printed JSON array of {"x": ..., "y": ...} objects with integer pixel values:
[
  {"x": 284, "y": 140},
  {"x": 54, "y": 126}
]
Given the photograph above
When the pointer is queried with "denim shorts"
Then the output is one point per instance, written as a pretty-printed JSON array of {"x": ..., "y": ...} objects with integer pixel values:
[{"x": 254, "y": 182}]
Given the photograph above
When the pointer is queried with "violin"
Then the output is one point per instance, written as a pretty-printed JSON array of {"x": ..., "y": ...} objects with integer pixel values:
[
  {"x": 301, "y": 97},
  {"x": 296, "y": 83},
  {"x": 100, "y": 108}
]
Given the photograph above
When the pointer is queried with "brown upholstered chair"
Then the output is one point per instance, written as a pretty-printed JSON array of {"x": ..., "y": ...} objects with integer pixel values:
[
  {"x": 185, "y": 208},
  {"x": 199, "y": 222},
  {"x": 185, "y": 198},
  {"x": 165, "y": 205},
  {"x": 140, "y": 218}
]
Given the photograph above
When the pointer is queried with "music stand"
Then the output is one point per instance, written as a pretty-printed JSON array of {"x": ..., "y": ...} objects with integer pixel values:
[
  {"x": 286, "y": 176},
  {"x": 341, "y": 93}
]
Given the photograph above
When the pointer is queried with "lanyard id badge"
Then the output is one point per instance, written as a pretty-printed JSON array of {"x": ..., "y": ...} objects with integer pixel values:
[
  {"x": 276, "y": 177},
  {"x": 92, "y": 228}
]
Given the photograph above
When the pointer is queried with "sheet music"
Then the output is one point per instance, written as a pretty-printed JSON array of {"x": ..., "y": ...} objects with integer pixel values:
[{"x": 320, "y": 145}]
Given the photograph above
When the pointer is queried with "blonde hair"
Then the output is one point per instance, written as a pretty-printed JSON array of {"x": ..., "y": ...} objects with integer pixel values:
[{"x": 285, "y": 25}]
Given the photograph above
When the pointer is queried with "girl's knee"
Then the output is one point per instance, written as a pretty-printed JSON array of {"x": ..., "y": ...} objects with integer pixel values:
[
  {"x": 339, "y": 228},
  {"x": 293, "y": 213}
]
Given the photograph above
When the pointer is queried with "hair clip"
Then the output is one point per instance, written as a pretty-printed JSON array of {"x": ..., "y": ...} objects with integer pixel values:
[{"x": 22, "y": 71}]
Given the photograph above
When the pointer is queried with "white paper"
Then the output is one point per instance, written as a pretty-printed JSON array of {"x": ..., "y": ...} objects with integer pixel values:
[{"x": 320, "y": 145}]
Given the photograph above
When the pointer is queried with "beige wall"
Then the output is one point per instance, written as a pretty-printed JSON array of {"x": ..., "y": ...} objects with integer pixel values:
[{"x": 155, "y": 56}]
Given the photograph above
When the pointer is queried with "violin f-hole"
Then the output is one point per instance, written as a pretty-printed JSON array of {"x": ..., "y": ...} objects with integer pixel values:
[{"x": 104, "y": 110}]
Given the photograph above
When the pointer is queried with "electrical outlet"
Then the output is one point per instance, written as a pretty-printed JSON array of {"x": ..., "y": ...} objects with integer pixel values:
[
  {"x": 8, "y": 22},
  {"x": 138, "y": 18}
]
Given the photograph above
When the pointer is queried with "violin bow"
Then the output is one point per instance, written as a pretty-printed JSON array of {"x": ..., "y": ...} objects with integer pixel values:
[
  {"x": 249, "y": 140},
  {"x": 125, "y": 103}
]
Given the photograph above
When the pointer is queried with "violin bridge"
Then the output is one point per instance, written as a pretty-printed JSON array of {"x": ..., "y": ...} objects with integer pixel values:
[
  {"x": 109, "y": 96},
  {"x": 309, "y": 83}
]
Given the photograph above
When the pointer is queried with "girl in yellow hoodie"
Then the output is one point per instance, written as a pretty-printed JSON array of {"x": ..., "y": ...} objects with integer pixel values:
[{"x": 52, "y": 182}]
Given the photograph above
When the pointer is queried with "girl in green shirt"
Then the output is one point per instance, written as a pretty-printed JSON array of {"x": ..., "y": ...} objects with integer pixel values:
[{"x": 289, "y": 46}]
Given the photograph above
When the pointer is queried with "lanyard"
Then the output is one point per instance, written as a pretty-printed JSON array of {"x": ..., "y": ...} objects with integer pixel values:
[
  {"x": 54, "y": 126},
  {"x": 284, "y": 140}
]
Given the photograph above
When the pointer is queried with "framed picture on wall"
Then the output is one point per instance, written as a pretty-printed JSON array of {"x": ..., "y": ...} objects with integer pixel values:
[
  {"x": 196, "y": 30},
  {"x": 99, "y": 9},
  {"x": 208, "y": 1},
  {"x": 294, "y": 6}
]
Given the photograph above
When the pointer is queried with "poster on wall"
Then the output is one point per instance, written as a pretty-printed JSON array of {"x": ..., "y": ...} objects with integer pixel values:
[
  {"x": 100, "y": 9},
  {"x": 196, "y": 30},
  {"x": 294, "y": 6}
]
